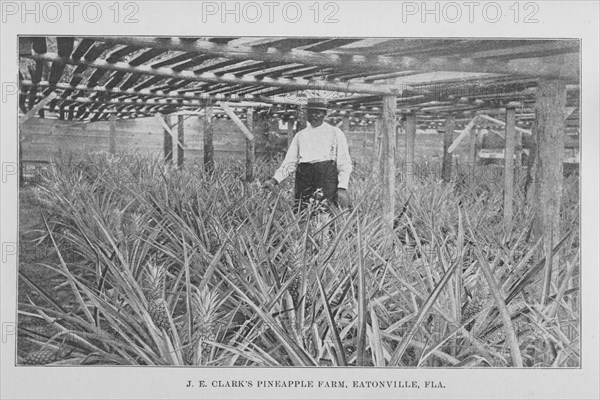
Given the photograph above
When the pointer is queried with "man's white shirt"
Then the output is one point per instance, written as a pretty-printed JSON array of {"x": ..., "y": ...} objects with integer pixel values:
[{"x": 312, "y": 145}]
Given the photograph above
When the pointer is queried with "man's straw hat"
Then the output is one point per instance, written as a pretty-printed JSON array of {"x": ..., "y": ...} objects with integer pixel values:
[{"x": 316, "y": 104}]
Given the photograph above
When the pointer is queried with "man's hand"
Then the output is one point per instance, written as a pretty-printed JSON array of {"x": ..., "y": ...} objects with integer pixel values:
[
  {"x": 270, "y": 184},
  {"x": 343, "y": 199}
]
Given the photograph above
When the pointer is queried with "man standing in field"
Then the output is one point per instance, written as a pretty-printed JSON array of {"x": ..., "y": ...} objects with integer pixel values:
[{"x": 319, "y": 155}]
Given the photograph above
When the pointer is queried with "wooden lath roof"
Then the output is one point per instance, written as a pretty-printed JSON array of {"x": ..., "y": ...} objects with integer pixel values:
[{"x": 141, "y": 76}]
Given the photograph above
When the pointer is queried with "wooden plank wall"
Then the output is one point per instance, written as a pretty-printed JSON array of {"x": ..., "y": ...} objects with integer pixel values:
[{"x": 46, "y": 139}]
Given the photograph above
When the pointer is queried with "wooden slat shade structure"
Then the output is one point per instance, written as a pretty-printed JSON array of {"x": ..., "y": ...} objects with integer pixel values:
[
  {"x": 376, "y": 63},
  {"x": 462, "y": 81}
]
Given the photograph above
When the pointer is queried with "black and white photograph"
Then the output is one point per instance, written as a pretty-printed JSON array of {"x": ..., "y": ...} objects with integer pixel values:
[{"x": 269, "y": 200}]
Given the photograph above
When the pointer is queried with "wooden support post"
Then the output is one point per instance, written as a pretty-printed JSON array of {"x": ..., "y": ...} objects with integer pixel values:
[
  {"x": 112, "y": 140},
  {"x": 377, "y": 155},
  {"x": 473, "y": 146},
  {"x": 209, "y": 150},
  {"x": 550, "y": 134},
  {"x": 180, "y": 138},
  {"x": 509, "y": 172},
  {"x": 447, "y": 157},
  {"x": 290, "y": 132},
  {"x": 388, "y": 139},
  {"x": 250, "y": 147},
  {"x": 167, "y": 140},
  {"x": 411, "y": 134}
]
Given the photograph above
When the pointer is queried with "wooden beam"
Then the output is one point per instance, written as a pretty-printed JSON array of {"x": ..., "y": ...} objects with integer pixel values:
[
  {"x": 389, "y": 75},
  {"x": 388, "y": 130},
  {"x": 209, "y": 150},
  {"x": 289, "y": 84},
  {"x": 250, "y": 147},
  {"x": 180, "y": 95},
  {"x": 532, "y": 50},
  {"x": 502, "y": 123},
  {"x": 37, "y": 108},
  {"x": 466, "y": 131},
  {"x": 236, "y": 120},
  {"x": 112, "y": 143},
  {"x": 447, "y": 157},
  {"x": 411, "y": 133},
  {"x": 509, "y": 169},
  {"x": 180, "y": 140},
  {"x": 532, "y": 67}
]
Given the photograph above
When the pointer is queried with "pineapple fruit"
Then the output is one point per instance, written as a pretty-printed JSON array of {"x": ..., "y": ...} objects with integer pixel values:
[
  {"x": 157, "y": 306},
  {"x": 205, "y": 320},
  {"x": 41, "y": 357},
  {"x": 477, "y": 302},
  {"x": 45, "y": 356}
]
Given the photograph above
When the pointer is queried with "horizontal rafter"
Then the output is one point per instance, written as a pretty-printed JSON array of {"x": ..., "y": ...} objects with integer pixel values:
[{"x": 290, "y": 84}]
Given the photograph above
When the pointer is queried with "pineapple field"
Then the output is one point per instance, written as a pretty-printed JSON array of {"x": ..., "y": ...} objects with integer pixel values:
[{"x": 126, "y": 260}]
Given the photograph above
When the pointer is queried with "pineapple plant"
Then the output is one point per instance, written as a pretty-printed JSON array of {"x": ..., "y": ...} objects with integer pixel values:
[
  {"x": 157, "y": 306},
  {"x": 205, "y": 316}
]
